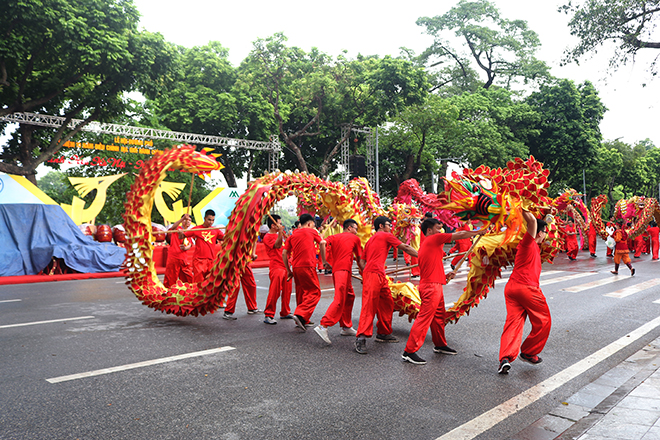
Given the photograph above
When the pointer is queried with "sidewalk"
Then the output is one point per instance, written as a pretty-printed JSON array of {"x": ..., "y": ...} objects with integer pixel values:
[{"x": 623, "y": 404}]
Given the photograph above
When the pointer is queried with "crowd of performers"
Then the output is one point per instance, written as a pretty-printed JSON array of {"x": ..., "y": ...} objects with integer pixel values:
[{"x": 298, "y": 256}]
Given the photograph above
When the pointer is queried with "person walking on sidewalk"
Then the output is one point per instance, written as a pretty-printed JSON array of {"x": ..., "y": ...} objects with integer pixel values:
[
  {"x": 376, "y": 295},
  {"x": 301, "y": 247},
  {"x": 524, "y": 298},
  {"x": 432, "y": 277},
  {"x": 342, "y": 249}
]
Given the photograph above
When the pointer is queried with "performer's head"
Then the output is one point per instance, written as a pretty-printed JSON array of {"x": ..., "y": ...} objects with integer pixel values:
[
  {"x": 271, "y": 221},
  {"x": 541, "y": 230},
  {"x": 428, "y": 215},
  {"x": 382, "y": 223},
  {"x": 351, "y": 226},
  {"x": 307, "y": 221},
  {"x": 209, "y": 218},
  {"x": 569, "y": 221},
  {"x": 185, "y": 223},
  {"x": 431, "y": 226},
  {"x": 653, "y": 224}
]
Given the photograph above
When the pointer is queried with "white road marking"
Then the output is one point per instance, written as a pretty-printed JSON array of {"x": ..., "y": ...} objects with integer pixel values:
[
  {"x": 591, "y": 285},
  {"x": 487, "y": 420},
  {"x": 10, "y": 300},
  {"x": 656, "y": 301},
  {"x": 138, "y": 365},
  {"x": 566, "y": 278},
  {"x": 627, "y": 291},
  {"x": 328, "y": 290},
  {"x": 46, "y": 322}
]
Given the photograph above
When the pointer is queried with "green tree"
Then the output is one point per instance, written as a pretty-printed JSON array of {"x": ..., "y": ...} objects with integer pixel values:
[
  {"x": 569, "y": 130},
  {"x": 629, "y": 24},
  {"x": 73, "y": 58},
  {"x": 503, "y": 50}
]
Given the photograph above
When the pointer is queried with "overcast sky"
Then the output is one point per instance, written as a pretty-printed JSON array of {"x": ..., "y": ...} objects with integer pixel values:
[{"x": 375, "y": 28}]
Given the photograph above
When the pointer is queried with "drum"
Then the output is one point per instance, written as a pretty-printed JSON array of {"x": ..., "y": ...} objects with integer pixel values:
[
  {"x": 87, "y": 229},
  {"x": 159, "y": 236},
  {"x": 103, "y": 234},
  {"x": 118, "y": 234}
]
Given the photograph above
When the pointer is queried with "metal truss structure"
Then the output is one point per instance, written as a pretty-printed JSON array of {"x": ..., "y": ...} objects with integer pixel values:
[
  {"x": 273, "y": 146},
  {"x": 371, "y": 156}
]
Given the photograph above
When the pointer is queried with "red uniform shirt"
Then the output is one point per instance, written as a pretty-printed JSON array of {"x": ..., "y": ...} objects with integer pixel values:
[
  {"x": 275, "y": 254},
  {"x": 527, "y": 265},
  {"x": 431, "y": 267},
  {"x": 621, "y": 238},
  {"x": 376, "y": 249},
  {"x": 205, "y": 241},
  {"x": 342, "y": 248},
  {"x": 300, "y": 247},
  {"x": 175, "y": 250}
]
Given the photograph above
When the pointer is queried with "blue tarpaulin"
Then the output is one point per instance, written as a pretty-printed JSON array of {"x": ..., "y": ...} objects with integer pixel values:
[{"x": 30, "y": 235}]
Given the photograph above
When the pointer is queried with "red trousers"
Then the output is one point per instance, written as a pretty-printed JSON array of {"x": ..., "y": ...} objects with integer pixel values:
[
  {"x": 592, "y": 243},
  {"x": 639, "y": 246},
  {"x": 376, "y": 301},
  {"x": 308, "y": 291},
  {"x": 521, "y": 302},
  {"x": 249, "y": 291},
  {"x": 571, "y": 249},
  {"x": 201, "y": 268},
  {"x": 655, "y": 244},
  {"x": 279, "y": 285},
  {"x": 609, "y": 252},
  {"x": 341, "y": 309},
  {"x": 431, "y": 314},
  {"x": 463, "y": 246},
  {"x": 414, "y": 270},
  {"x": 177, "y": 269}
]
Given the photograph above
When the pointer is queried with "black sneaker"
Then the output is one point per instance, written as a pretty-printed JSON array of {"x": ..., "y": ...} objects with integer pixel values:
[
  {"x": 361, "y": 345},
  {"x": 229, "y": 316},
  {"x": 300, "y": 322},
  {"x": 505, "y": 366},
  {"x": 530, "y": 358},
  {"x": 632, "y": 272},
  {"x": 386, "y": 338},
  {"x": 444, "y": 350},
  {"x": 289, "y": 316},
  {"x": 413, "y": 358}
]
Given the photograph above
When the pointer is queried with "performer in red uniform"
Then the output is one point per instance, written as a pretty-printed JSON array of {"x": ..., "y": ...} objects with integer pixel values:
[
  {"x": 524, "y": 298},
  {"x": 571, "y": 240},
  {"x": 462, "y": 245},
  {"x": 178, "y": 264},
  {"x": 204, "y": 246},
  {"x": 376, "y": 295},
  {"x": 279, "y": 285},
  {"x": 432, "y": 311},
  {"x": 342, "y": 247},
  {"x": 639, "y": 245},
  {"x": 303, "y": 259},
  {"x": 621, "y": 251},
  {"x": 653, "y": 231},
  {"x": 593, "y": 238},
  {"x": 249, "y": 292}
]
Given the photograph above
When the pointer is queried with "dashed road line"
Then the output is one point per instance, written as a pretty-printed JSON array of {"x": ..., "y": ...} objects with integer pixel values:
[
  {"x": 10, "y": 300},
  {"x": 627, "y": 291},
  {"x": 138, "y": 365},
  {"x": 591, "y": 285},
  {"x": 566, "y": 278},
  {"x": 46, "y": 322}
]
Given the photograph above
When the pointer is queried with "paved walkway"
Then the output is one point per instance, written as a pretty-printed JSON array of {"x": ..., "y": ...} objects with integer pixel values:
[{"x": 623, "y": 404}]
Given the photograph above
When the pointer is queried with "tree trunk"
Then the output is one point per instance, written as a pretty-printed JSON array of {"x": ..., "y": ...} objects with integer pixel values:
[{"x": 228, "y": 173}]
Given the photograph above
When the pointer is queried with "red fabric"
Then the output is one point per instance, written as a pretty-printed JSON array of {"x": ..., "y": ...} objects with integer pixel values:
[
  {"x": 177, "y": 269},
  {"x": 376, "y": 249},
  {"x": 279, "y": 287},
  {"x": 524, "y": 301},
  {"x": 307, "y": 290},
  {"x": 639, "y": 245},
  {"x": 655, "y": 242},
  {"x": 201, "y": 268},
  {"x": 571, "y": 242},
  {"x": 175, "y": 251},
  {"x": 275, "y": 255},
  {"x": 341, "y": 309},
  {"x": 413, "y": 261},
  {"x": 376, "y": 301},
  {"x": 527, "y": 264},
  {"x": 593, "y": 238},
  {"x": 342, "y": 248},
  {"x": 431, "y": 265},
  {"x": 431, "y": 314},
  {"x": 249, "y": 291},
  {"x": 205, "y": 241},
  {"x": 621, "y": 238},
  {"x": 300, "y": 246}
]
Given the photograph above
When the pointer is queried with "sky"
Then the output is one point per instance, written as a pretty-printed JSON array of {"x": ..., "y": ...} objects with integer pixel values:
[{"x": 373, "y": 28}]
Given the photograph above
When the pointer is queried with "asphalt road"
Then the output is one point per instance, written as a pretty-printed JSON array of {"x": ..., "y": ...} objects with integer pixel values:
[{"x": 277, "y": 382}]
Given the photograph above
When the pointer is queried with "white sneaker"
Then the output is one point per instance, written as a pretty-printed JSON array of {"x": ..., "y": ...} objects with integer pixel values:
[
  {"x": 348, "y": 331},
  {"x": 323, "y": 333}
]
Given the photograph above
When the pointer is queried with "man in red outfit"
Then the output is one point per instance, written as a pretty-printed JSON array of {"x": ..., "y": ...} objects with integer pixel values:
[
  {"x": 376, "y": 295},
  {"x": 279, "y": 285},
  {"x": 524, "y": 298},
  {"x": 653, "y": 231},
  {"x": 432, "y": 277},
  {"x": 249, "y": 292},
  {"x": 343, "y": 247},
  {"x": 593, "y": 239},
  {"x": 301, "y": 247},
  {"x": 571, "y": 240},
  {"x": 621, "y": 250},
  {"x": 178, "y": 265},
  {"x": 204, "y": 246}
]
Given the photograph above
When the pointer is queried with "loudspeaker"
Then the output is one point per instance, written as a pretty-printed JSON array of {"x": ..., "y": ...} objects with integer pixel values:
[{"x": 357, "y": 166}]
